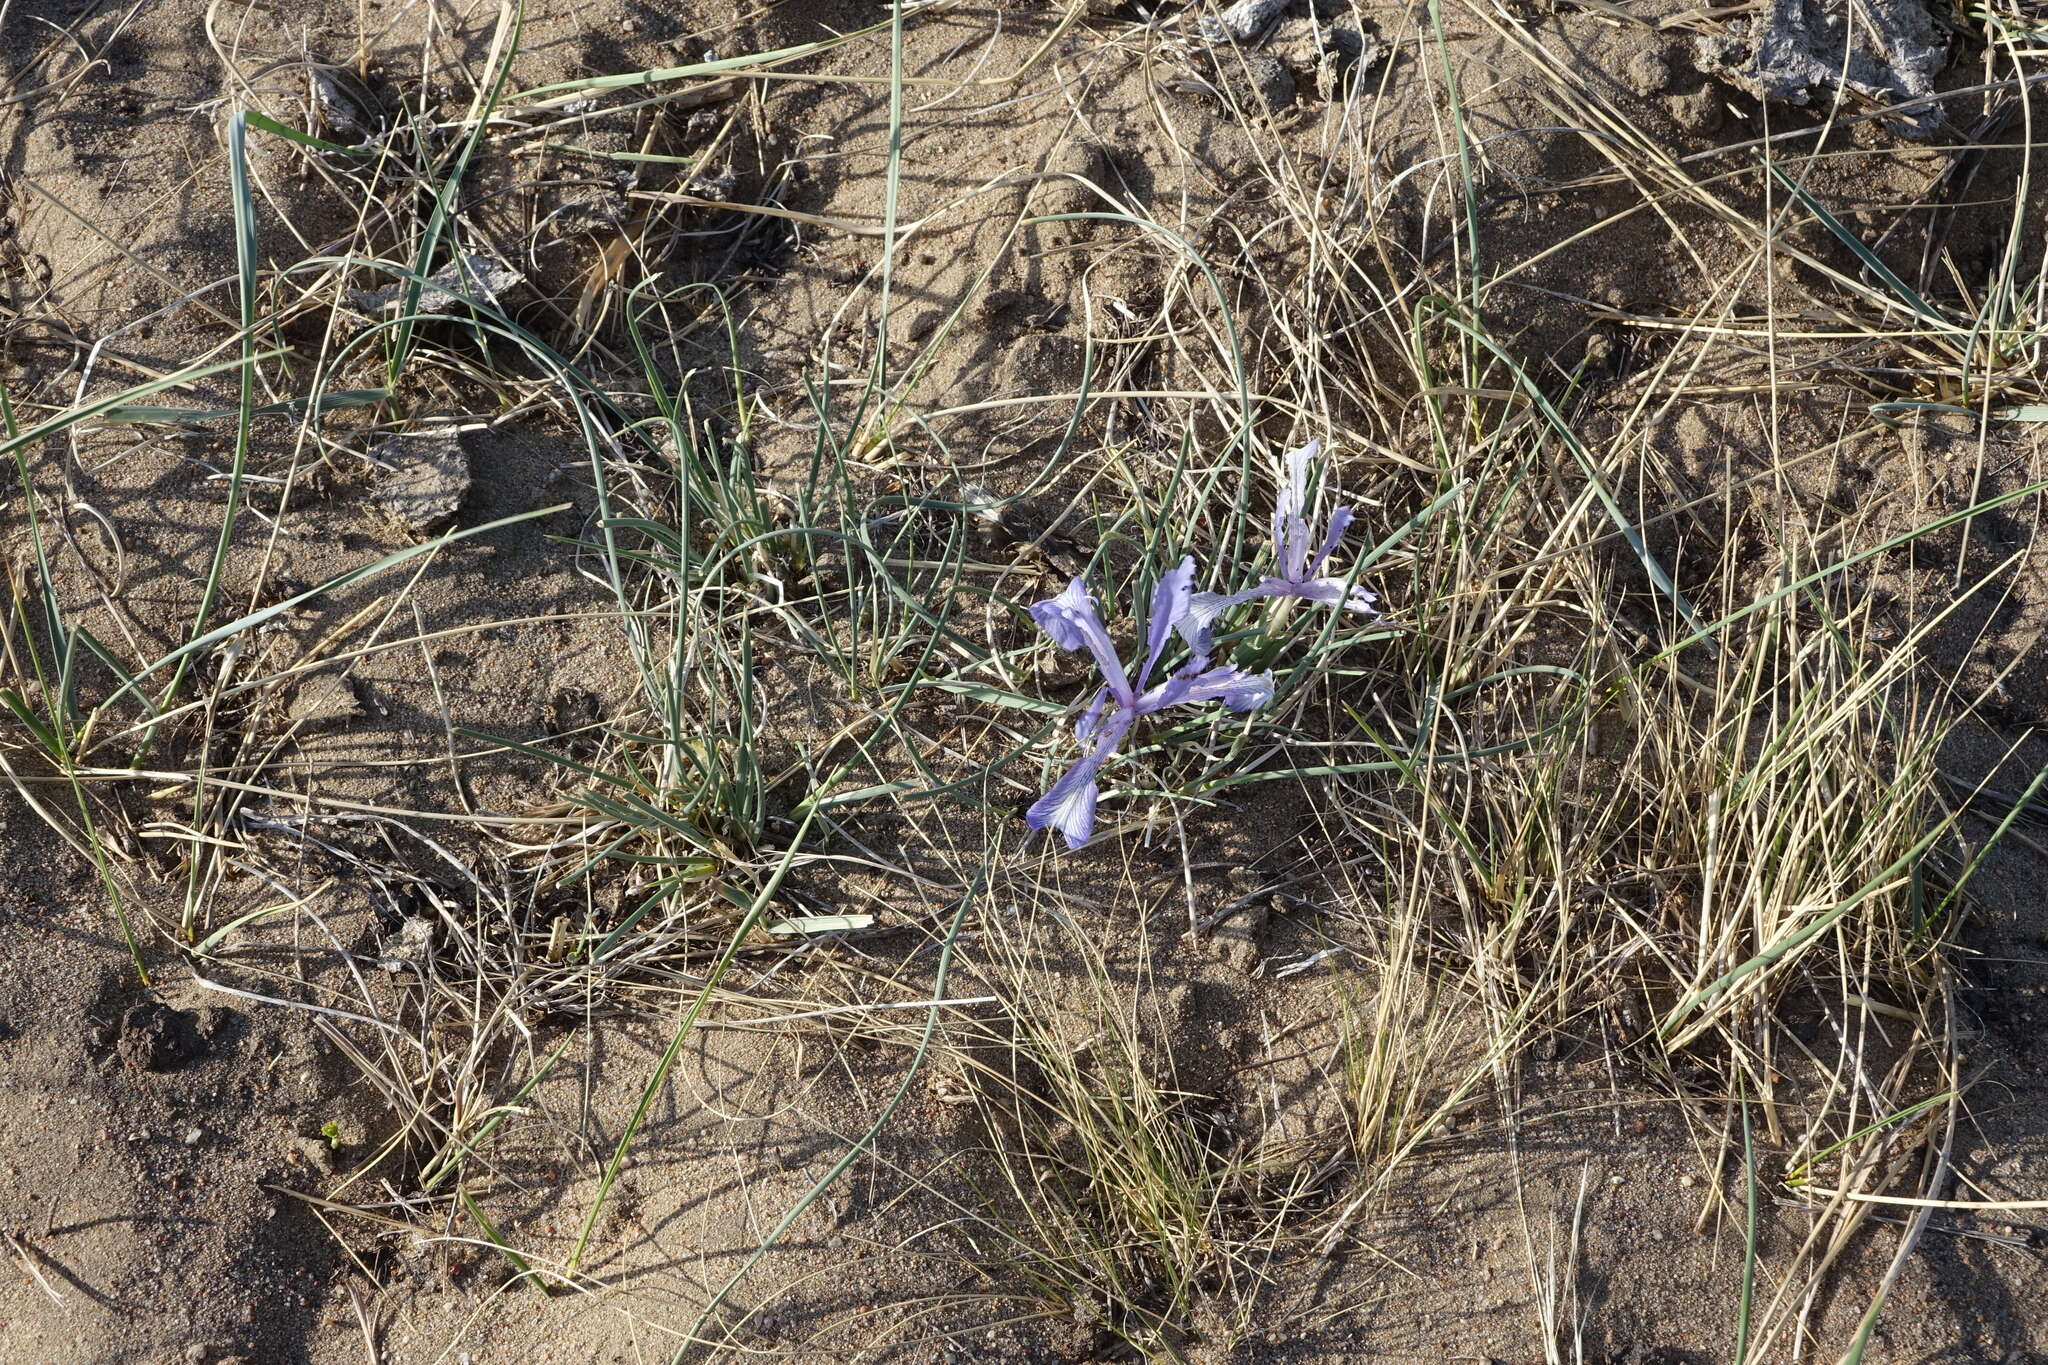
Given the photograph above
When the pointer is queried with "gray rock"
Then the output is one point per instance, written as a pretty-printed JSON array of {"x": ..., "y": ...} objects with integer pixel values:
[
  {"x": 1352, "y": 55},
  {"x": 717, "y": 185},
  {"x": 1244, "y": 22},
  {"x": 422, "y": 480},
  {"x": 473, "y": 276},
  {"x": 1887, "y": 53}
]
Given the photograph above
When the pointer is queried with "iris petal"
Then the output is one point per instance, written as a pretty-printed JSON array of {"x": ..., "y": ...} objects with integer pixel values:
[
  {"x": 1091, "y": 717},
  {"x": 1170, "y": 600},
  {"x": 1290, "y": 527},
  {"x": 1069, "y": 806},
  {"x": 1238, "y": 690},
  {"x": 1197, "y": 625},
  {"x": 1339, "y": 521},
  {"x": 1333, "y": 590},
  {"x": 1071, "y": 620},
  {"x": 1293, "y": 551}
]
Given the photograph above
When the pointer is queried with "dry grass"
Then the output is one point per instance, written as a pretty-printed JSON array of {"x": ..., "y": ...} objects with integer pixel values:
[{"x": 1570, "y": 786}]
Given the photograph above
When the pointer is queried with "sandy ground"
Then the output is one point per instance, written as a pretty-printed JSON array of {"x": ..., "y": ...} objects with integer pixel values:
[{"x": 192, "y": 1173}]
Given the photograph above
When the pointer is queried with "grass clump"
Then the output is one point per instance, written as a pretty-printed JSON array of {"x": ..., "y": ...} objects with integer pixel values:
[{"x": 1634, "y": 768}]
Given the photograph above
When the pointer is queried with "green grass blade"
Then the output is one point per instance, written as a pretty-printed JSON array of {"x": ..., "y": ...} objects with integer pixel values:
[
  {"x": 445, "y": 196},
  {"x": 512, "y": 1258},
  {"x": 660, "y": 75},
  {"x": 989, "y": 695},
  {"x": 1797, "y": 1174},
  {"x": 271, "y": 125},
  {"x": 143, "y": 414},
  {"x": 1907, "y": 294},
  {"x": 19, "y": 441},
  {"x": 244, "y": 207},
  {"x": 47, "y": 738}
]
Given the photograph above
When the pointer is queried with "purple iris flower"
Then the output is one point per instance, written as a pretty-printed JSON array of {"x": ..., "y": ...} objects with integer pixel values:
[
  {"x": 1071, "y": 620},
  {"x": 1298, "y": 568}
]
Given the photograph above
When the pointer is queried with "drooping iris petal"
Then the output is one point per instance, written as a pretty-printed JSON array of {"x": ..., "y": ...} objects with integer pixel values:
[
  {"x": 1236, "y": 689},
  {"x": 1170, "y": 600},
  {"x": 1329, "y": 591},
  {"x": 1071, "y": 620},
  {"x": 1069, "y": 806},
  {"x": 1357, "y": 599}
]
